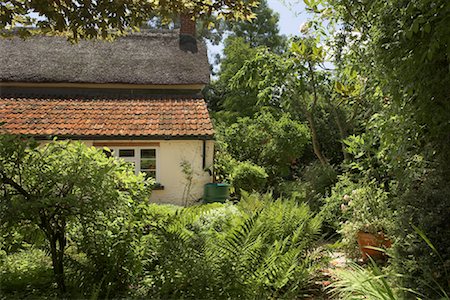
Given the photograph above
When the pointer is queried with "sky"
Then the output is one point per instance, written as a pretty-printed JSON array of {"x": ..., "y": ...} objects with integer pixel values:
[{"x": 292, "y": 15}]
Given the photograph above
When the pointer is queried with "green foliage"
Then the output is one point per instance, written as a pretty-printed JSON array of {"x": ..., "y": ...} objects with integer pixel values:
[
  {"x": 356, "y": 282},
  {"x": 242, "y": 42},
  {"x": 248, "y": 177},
  {"x": 15, "y": 237},
  {"x": 254, "y": 249},
  {"x": 340, "y": 195},
  {"x": 219, "y": 93},
  {"x": 393, "y": 58},
  {"x": 267, "y": 141},
  {"x": 317, "y": 182},
  {"x": 293, "y": 83},
  {"x": 109, "y": 255},
  {"x": 424, "y": 204},
  {"x": 358, "y": 206},
  {"x": 224, "y": 163},
  {"x": 25, "y": 271},
  {"x": 60, "y": 183},
  {"x": 294, "y": 190},
  {"x": 261, "y": 31},
  {"x": 103, "y": 19}
]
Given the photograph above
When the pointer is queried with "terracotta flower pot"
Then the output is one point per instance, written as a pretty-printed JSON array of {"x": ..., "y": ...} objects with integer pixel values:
[{"x": 377, "y": 240}]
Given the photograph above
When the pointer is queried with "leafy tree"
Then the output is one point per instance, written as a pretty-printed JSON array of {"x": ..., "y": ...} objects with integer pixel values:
[
  {"x": 399, "y": 53},
  {"x": 242, "y": 40},
  {"x": 61, "y": 182},
  {"x": 291, "y": 82},
  {"x": 267, "y": 141},
  {"x": 261, "y": 31},
  {"x": 93, "y": 19},
  {"x": 219, "y": 95}
]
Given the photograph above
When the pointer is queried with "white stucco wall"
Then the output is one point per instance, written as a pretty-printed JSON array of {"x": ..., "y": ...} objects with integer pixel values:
[{"x": 170, "y": 155}]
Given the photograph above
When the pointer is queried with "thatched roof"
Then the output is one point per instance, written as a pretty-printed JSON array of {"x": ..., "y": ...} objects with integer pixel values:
[{"x": 144, "y": 58}]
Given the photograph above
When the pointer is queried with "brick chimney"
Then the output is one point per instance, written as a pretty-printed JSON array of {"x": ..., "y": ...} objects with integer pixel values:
[{"x": 188, "y": 40}]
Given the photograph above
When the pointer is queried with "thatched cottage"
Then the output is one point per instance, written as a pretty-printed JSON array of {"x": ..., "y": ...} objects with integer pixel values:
[{"x": 139, "y": 96}]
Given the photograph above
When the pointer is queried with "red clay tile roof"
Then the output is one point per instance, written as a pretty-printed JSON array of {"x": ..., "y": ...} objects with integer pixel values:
[{"x": 106, "y": 117}]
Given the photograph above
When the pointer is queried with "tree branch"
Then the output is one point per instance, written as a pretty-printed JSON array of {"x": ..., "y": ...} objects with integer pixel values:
[{"x": 5, "y": 179}]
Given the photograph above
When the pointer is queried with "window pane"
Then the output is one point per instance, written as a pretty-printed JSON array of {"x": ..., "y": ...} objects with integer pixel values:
[
  {"x": 148, "y": 153},
  {"x": 148, "y": 163},
  {"x": 126, "y": 152}
]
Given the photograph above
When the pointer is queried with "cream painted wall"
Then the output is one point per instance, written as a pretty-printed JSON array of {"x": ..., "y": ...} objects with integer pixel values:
[{"x": 170, "y": 155}]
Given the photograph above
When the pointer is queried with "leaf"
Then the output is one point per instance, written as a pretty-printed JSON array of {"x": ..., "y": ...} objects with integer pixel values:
[
  {"x": 425, "y": 238},
  {"x": 338, "y": 87},
  {"x": 415, "y": 26},
  {"x": 427, "y": 27}
]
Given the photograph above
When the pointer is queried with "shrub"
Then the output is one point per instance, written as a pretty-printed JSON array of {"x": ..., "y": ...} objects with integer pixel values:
[
  {"x": 317, "y": 182},
  {"x": 295, "y": 190},
  {"x": 320, "y": 177},
  {"x": 267, "y": 140},
  {"x": 249, "y": 177},
  {"x": 361, "y": 206},
  {"x": 24, "y": 271},
  {"x": 114, "y": 246},
  {"x": 16, "y": 237},
  {"x": 424, "y": 204},
  {"x": 61, "y": 184},
  {"x": 331, "y": 210},
  {"x": 257, "y": 249}
]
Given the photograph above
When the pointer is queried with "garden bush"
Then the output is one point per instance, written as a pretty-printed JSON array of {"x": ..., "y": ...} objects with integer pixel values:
[
  {"x": 317, "y": 181},
  {"x": 67, "y": 184},
  {"x": 259, "y": 250},
  {"x": 333, "y": 215},
  {"x": 24, "y": 272},
  {"x": 358, "y": 206},
  {"x": 270, "y": 141},
  {"x": 112, "y": 249},
  {"x": 248, "y": 177},
  {"x": 294, "y": 189},
  {"x": 424, "y": 204}
]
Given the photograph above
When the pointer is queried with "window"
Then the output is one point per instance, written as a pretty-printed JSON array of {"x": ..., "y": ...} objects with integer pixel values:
[
  {"x": 143, "y": 159},
  {"x": 148, "y": 162},
  {"x": 126, "y": 153}
]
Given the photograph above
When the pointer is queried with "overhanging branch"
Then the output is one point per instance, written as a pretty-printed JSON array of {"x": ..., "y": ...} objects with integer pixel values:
[{"x": 6, "y": 180}]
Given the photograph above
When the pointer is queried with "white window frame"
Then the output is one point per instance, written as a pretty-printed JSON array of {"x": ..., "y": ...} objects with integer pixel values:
[{"x": 137, "y": 157}]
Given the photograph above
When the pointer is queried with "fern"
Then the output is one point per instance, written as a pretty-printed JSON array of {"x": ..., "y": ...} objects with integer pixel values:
[{"x": 259, "y": 254}]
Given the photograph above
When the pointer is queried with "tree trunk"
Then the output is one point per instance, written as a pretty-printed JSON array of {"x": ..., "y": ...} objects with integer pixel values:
[
  {"x": 342, "y": 131},
  {"x": 310, "y": 118},
  {"x": 315, "y": 140},
  {"x": 57, "y": 245}
]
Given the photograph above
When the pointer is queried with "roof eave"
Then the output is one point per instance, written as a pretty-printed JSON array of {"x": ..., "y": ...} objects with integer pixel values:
[
  {"x": 87, "y": 85},
  {"x": 122, "y": 137}
]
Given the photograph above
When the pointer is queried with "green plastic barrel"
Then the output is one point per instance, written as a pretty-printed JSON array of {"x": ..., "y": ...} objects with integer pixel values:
[{"x": 216, "y": 192}]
